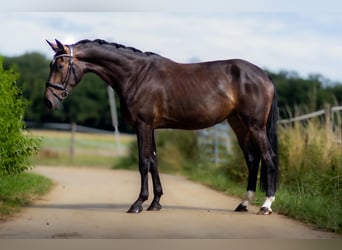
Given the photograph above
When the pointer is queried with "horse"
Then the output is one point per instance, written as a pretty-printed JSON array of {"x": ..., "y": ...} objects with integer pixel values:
[{"x": 157, "y": 92}]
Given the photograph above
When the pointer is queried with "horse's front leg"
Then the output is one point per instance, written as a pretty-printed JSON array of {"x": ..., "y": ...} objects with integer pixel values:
[
  {"x": 147, "y": 162},
  {"x": 157, "y": 188},
  {"x": 144, "y": 137}
]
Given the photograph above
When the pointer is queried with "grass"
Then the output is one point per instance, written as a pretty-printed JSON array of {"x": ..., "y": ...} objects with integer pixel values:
[
  {"x": 311, "y": 175},
  {"x": 308, "y": 205},
  {"x": 19, "y": 190},
  {"x": 318, "y": 210}
]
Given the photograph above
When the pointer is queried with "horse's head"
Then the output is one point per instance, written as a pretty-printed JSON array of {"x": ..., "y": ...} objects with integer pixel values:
[{"x": 64, "y": 75}]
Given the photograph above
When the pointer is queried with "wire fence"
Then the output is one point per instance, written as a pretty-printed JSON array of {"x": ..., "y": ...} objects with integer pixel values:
[{"x": 65, "y": 127}]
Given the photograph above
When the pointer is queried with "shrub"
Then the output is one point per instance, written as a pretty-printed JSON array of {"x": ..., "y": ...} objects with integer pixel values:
[{"x": 15, "y": 145}]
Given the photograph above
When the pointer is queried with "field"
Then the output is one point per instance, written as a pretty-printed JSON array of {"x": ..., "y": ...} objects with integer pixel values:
[{"x": 58, "y": 148}]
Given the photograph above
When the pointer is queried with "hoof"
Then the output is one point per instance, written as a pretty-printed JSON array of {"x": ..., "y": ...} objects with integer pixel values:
[
  {"x": 135, "y": 209},
  {"x": 241, "y": 208},
  {"x": 154, "y": 207},
  {"x": 265, "y": 211}
]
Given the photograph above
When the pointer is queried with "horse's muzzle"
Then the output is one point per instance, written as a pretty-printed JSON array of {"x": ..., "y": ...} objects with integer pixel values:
[
  {"x": 48, "y": 103},
  {"x": 51, "y": 101}
]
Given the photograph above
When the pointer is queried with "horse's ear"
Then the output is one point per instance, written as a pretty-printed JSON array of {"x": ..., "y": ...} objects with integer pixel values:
[
  {"x": 53, "y": 46},
  {"x": 60, "y": 46}
]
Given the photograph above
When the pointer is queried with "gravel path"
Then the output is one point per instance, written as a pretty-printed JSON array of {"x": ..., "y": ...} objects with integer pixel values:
[{"x": 91, "y": 203}]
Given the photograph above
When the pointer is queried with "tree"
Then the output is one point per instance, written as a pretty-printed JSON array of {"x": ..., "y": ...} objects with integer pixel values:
[
  {"x": 297, "y": 93},
  {"x": 15, "y": 145}
]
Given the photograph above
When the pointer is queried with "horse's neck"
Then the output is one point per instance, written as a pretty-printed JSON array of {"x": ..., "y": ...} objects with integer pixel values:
[{"x": 115, "y": 68}]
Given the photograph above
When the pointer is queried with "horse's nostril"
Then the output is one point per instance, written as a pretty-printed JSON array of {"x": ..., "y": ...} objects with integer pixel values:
[{"x": 48, "y": 103}]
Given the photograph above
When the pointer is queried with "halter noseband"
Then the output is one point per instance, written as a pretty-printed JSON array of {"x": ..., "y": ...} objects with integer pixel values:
[{"x": 65, "y": 82}]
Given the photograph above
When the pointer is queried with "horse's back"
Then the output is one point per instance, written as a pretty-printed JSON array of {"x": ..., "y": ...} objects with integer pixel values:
[{"x": 199, "y": 95}]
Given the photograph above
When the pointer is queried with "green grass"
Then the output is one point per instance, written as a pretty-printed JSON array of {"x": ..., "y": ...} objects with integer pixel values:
[
  {"x": 323, "y": 211},
  {"x": 19, "y": 190},
  {"x": 311, "y": 175},
  {"x": 318, "y": 210}
]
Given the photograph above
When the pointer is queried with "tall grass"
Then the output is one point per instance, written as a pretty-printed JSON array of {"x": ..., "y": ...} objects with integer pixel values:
[{"x": 311, "y": 175}]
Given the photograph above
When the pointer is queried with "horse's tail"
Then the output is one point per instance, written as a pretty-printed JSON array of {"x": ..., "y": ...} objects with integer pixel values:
[{"x": 271, "y": 130}]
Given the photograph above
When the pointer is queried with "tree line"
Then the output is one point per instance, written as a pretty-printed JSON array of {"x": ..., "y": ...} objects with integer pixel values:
[{"x": 88, "y": 104}]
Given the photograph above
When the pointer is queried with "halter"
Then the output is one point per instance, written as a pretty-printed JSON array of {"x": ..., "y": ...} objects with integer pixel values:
[{"x": 65, "y": 82}]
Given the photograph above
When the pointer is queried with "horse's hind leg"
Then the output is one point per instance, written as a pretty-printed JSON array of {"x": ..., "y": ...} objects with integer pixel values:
[
  {"x": 252, "y": 157},
  {"x": 252, "y": 160},
  {"x": 268, "y": 168}
]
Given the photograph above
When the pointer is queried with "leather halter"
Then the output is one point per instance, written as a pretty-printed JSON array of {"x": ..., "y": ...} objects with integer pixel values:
[{"x": 64, "y": 84}]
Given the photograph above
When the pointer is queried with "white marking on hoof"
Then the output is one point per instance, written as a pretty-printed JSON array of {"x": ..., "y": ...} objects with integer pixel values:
[
  {"x": 264, "y": 211},
  {"x": 268, "y": 202},
  {"x": 249, "y": 198},
  {"x": 266, "y": 207}
]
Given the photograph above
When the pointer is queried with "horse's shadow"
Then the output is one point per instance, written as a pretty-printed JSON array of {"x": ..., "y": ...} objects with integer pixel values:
[{"x": 121, "y": 207}]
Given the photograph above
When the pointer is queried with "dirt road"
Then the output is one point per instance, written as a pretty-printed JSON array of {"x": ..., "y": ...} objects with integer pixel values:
[{"x": 92, "y": 203}]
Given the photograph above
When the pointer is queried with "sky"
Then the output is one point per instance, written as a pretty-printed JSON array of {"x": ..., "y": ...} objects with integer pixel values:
[{"x": 276, "y": 36}]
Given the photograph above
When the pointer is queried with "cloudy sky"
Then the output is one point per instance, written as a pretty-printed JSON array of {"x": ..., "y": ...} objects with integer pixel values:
[{"x": 273, "y": 36}]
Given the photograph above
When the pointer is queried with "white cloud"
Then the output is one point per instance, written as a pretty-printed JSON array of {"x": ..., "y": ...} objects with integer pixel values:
[{"x": 307, "y": 43}]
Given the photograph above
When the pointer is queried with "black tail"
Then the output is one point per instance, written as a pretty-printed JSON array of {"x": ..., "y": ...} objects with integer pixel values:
[{"x": 271, "y": 128}]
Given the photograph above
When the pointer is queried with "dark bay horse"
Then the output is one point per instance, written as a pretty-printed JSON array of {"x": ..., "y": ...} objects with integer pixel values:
[{"x": 156, "y": 92}]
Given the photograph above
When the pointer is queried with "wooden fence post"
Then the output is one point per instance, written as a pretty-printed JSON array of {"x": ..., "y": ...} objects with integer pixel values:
[
  {"x": 72, "y": 143},
  {"x": 328, "y": 122}
]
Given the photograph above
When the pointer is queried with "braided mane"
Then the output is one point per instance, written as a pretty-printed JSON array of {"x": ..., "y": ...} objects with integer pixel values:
[{"x": 115, "y": 45}]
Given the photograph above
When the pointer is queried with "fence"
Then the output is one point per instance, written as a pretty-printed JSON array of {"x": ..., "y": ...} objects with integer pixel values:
[
  {"x": 328, "y": 112},
  {"x": 66, "y": 127},
  {"x": 73, "y": 128},
  {"x": 332, "y": 120},
  {"x": 215, "y": 142}
]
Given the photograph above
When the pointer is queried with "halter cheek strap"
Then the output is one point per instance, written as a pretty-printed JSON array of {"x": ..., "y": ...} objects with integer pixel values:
[{"x": 65, "y": 82}]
